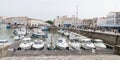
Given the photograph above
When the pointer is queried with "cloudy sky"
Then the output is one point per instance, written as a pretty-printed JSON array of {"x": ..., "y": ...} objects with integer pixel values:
[{"x": 49, "y": 9}]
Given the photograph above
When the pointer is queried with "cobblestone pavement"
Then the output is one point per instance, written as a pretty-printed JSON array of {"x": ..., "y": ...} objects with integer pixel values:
[{"x": 65, "y": 57}]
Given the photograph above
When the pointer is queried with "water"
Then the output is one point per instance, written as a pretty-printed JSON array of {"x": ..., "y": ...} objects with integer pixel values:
[{"x": 8, "y": 35}]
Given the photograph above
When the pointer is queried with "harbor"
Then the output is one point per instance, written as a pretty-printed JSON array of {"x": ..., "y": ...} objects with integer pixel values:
[
  {"x": 59, "y": 30},
  {"x": 14, "y": 51}
]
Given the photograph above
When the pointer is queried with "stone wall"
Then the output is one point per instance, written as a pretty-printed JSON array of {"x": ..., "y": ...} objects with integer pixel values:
[
  {"x": 107, "y": 38},
  {"x": 117, "y": 49},
  {"x": 110, "y": 39},
  {"x": 4, "y": 51}
]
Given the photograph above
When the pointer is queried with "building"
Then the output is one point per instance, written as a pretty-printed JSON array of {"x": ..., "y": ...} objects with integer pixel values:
[
  {"x": 87, "y": 23},
  {"x": 110, "y": 22},
  {"x": 23, "y": 21},
  {"x": 113, "y": 19},
  {"x": 2, "y": 19},
  {"x": 101, "y": 22},
  {"x": 37, "y": 22},
  {"x": 16, "y": 20},
  {"x": 65, "y": 21}
]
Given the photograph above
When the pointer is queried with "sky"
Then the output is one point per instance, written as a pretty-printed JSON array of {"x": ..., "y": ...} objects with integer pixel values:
[{"x": 50, "y": 9}]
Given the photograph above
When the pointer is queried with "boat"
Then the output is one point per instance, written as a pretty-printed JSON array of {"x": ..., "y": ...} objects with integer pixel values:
[
  {"x": 61, "y": 31},
  {"x": 44, "y": 28},
  {"x": 20, "y": 31},
  {"x": 87, "y": 44},
  {"x": 61, "y": 43},
  {"x": 74, "y": 36},
  {"x": 67, "y": 33},
  {"x": 38, "y": 33},
  {"x": 26, "y": 43},
  {"x": 99, "y": 45},
  {"x": 18, "y": 37},
  {"x": 51, "y": 45},
  {"x": 75, "y": 44},
  {"x": 3, "y": 42},
  {"x": 38, "y": 44}
]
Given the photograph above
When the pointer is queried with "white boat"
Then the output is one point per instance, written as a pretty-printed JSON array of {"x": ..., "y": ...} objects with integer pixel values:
[
  {"x": 75, "y": 44},
  {"x": 3, "y": 42},
  {"x": 87, "y": 44},
  {"x": 44, "y": 28},
  {"x": 26, "y": 44},
  {"x": 66, "y": 33},
  {"x": 99, "y": 45},
  {"x": 20, "y": 31},
  {"x": 38, "y": 44},
  {"x": 18, "y": 37},
  {"x": 82, "y": 37},
  {"x": 61, "y": 31},
  {"x": 72, "y": 36},
  {"x": 51, "y": 46},
  {"x": 61, "y": 43},
  {"x": 38, "y": 32}
]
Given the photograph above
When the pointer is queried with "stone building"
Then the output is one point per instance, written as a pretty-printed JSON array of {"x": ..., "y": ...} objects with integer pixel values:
[
  {"x": 23, "y": 21},
  {"x": 87, "y": 23},
  {"x": 65, "y": 21}
]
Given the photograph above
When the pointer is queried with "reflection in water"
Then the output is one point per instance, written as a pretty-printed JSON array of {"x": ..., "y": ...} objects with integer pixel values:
[{"x": 8, "y": 34}]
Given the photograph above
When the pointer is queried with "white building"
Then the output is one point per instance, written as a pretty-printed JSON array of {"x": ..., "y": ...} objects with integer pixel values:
[
  {"x": 23, "y": 20},
  {"x": 36, "y": 22},
  {"x": 102, "y": 21},
  {"x": 112, "y": 20},
  {"x": 16, "y": 20},
  {"x": 65, "y": 21}
]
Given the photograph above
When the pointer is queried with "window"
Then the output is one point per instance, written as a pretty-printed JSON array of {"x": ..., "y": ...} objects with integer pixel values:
[{"x": 117, "y": 15}]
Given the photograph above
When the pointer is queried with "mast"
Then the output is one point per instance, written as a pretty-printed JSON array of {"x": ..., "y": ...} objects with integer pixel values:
[
  {"x": 26, "y": 26},
  {"x": 76, "y": 19},
  {"x": 51, "y": 39}
]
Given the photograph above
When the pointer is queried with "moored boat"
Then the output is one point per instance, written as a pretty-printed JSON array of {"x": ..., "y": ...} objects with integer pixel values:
[
  {"x": 99, "y": 45},
  {"x": 38, "y": 44},
  {"x": 61, "y": 43},
  {"x": 75, "y": 44},
  {"x": 87, "y": 44},
  {"x": 26, "y": 44}
]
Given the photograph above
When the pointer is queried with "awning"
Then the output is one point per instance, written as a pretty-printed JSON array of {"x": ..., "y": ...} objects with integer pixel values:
[{"x": 109, "y": 26}]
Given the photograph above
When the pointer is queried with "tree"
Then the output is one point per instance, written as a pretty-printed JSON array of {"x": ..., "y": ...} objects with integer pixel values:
[{"x": 50, "y": 22}]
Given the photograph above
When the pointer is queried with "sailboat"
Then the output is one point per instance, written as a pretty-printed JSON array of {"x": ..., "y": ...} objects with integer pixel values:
[{"x": 51, "y": 45}]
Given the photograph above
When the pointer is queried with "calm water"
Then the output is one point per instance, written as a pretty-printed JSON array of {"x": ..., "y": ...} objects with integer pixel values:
[{"x": 8, "y": 35}]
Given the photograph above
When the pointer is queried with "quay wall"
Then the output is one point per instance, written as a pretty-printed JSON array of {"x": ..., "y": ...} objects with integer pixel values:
[
  {"x": 109, "y": 39},
  {"x": 3, "y": 51},
  {"x": 112, "y": 40}
]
